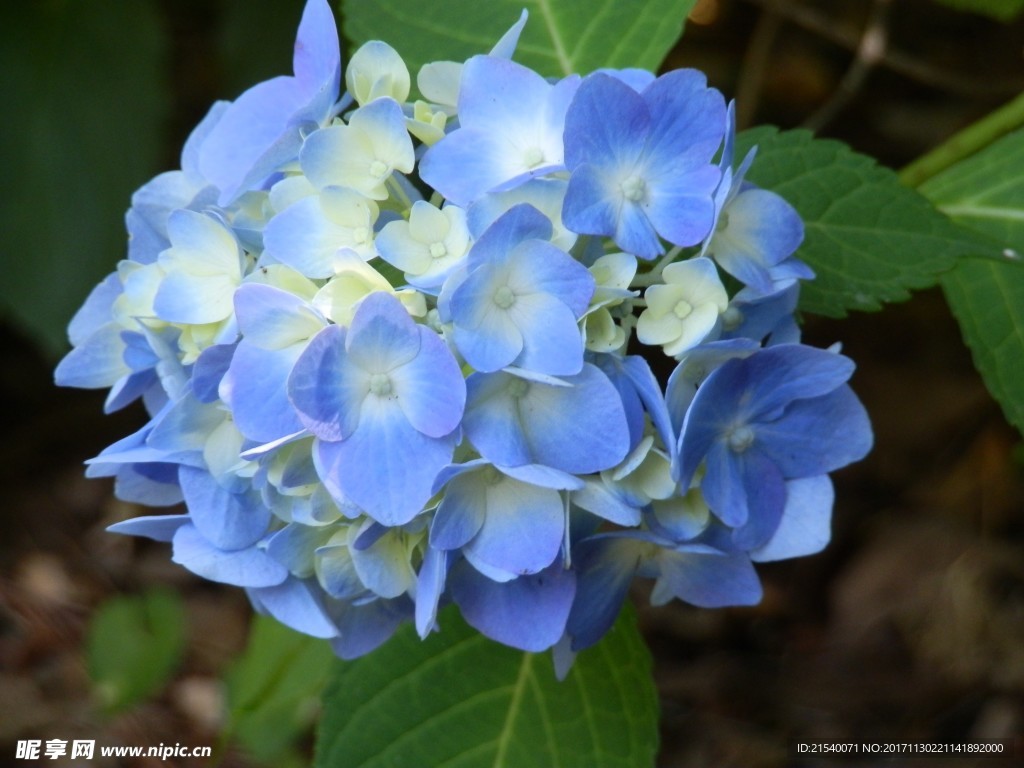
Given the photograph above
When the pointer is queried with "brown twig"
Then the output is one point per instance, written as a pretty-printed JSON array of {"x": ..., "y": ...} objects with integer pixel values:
[{"x": 892, "y": 59}]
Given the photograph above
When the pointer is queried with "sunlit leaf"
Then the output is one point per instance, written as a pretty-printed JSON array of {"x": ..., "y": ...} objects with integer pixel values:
[
  {"x": 458, "y": 699},
  {"x": 986, "y": 192},
  {"x": 561, "y": 37},
  {"x": 869, "y": 239}
]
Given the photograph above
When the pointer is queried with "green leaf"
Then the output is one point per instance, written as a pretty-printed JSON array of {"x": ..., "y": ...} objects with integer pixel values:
[
  {"x": 133, "y": 645},
  {"x": 561, "y": 37},
  {"x": 273, "y": 690},
  {"x": 460, "y": 700},
  {"x": 1002, "y": 10},
  {"x": 987, "y": 299},
  {"x": 869, "y": 239},
  {"x": 84, "y": 80},
  {"x": 986, "y": 192}
]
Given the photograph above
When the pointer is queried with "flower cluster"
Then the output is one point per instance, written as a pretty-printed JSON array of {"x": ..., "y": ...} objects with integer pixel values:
[{"x": 398, "y": 353}]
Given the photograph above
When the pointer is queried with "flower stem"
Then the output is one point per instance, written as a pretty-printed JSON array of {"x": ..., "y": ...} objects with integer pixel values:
[
  {"x": 653, "y": 275},
  {"x": 970, "y": 140}
]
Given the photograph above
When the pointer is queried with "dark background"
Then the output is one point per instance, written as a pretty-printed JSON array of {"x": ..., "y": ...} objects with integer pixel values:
[{"x": 910, "y": 626}]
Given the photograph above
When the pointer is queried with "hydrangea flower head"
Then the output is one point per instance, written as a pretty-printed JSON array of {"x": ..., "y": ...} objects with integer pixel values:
[{"x": 386, "y": 351}]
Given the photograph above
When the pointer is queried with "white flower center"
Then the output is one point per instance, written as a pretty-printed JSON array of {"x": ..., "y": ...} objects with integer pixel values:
[
  {"x": 504, "y": 297},
  {"x": 682, "y": 309},
  {"x": 378, "y": 169},
  {"x": 380, "y": 385},
  {"x": 518, "y": 388},
  {"x": 360, "y": 234},
  {"x": 740, "y": 438},
  {"x": 437, "y": 250},
  {"x": 731, "y": 319},
  {"x": 633, "y": 188},
  {"x": 533, "y": 157}
]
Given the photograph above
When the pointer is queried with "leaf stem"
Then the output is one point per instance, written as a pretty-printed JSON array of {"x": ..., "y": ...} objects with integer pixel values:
[{"x": 970, "y": 140}]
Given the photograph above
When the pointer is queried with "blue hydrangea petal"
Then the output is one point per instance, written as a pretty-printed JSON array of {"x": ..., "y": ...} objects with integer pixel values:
[
  {"x": 382, "y": 336},
  {"x": 95, "y": 311},
  {"x": 242, "y": 568},
  {"x": 153, "y": 485},
  {"x": 578, "y": 429},
  {"x": 384, "y": 566},
  {"x": 296, "y": 603},
  {"x": 362, "y": 628},
  {"x": 386, "y": 466},
  {"x": 255, "y": 387},
  {"x": 429, "y": 588},
  {"x": 326, "y": 388},
  {"x": 723, "y": 485},
  {"x": 492, "y": 420},
  {"x": 316, "y": 60},
  {"x": 818, "y": 435},
  {"x": 551, "y": 339},
  {"x": 273, "y": 318},
  {"x": 155, "y": 527},
  {"x": 592, "y": 206},
  {"x": 596, "y": 497},
  {"x": 688, "y": 120},
  {"x": 293, "y": 547},
  {"x": 461, "y": 512},
  {"x": 180, "y": 433},
  {"x": 607, "y": 124},
  {"x": 763, "y": 230},
  {"x": 431, "y": 390},
  {"x": 310, "y": 235},
  {"x": 209, "y": 370},
  {"x": 635, "y": 233},
  {"x": 777, "y": 375},
  {"x": 97, "y": 362},
  {"x": 520, "y": 223},
  {"x": 544, "y": 477},
  {"x": 511, "y": 120},
  {"x": 229, "y": 521},
  {"x": 706, "y": 580},
  {"x": 605, "y": 567},
  {"x": 263, "y": 128},
  {"x": 805, "y": 526},
  {"x": 765, "y": 489},
  {"x": 523, "y": 528},
  {"x": 337, "y": 572},
  {"x": 528, "y": 613},
  {"x": 681, "y": 210},
  {"x": 541, "y": 267}
]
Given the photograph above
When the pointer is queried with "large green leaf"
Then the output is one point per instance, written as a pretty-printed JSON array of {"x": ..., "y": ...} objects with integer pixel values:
[
  {"x": 561, "y": 37},
  {"x": 273, "y": 691},
  {"x": 986, "y": 192},
  {"x": 83, "y": 88},
  {"x": 869, "y": 239},
  {"x": 460, "y": 700},
  {"x": 133, "y": 645}
]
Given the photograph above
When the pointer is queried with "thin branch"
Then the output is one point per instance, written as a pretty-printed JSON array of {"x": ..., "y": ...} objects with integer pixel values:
[
  {"x": 870, "y": 51},
  {"x": 895, "y": 60},
  {"x": 755, "y": 65},
  {"x": 971, "y": 139}
]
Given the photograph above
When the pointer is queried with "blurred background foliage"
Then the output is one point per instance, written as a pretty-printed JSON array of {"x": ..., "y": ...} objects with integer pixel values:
[{"x": 910, "y": 625}]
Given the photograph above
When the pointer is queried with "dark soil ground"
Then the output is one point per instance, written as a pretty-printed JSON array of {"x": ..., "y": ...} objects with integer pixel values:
[{"x": 910, "y": 626}]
